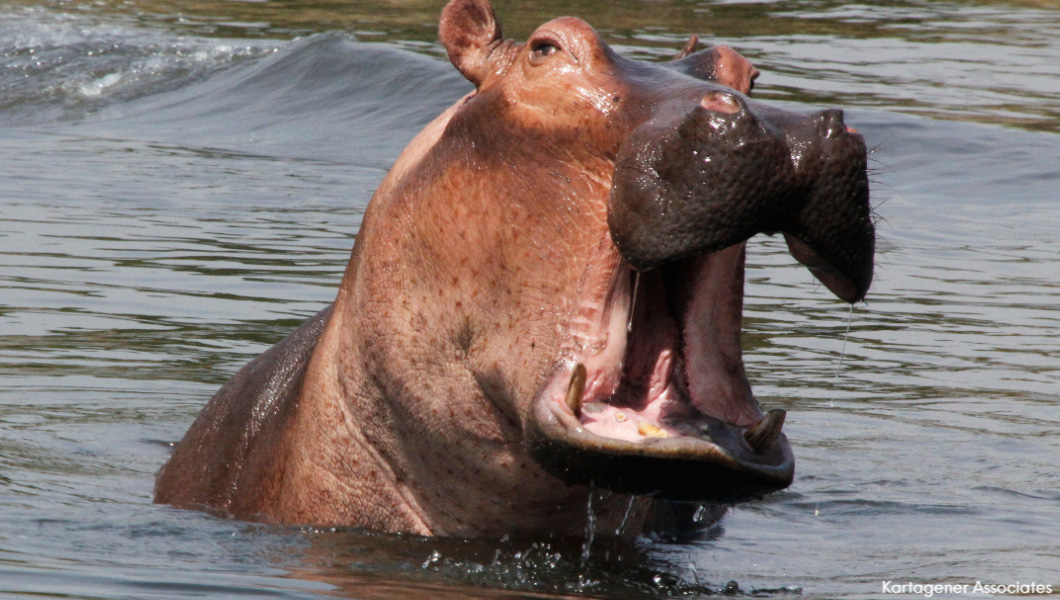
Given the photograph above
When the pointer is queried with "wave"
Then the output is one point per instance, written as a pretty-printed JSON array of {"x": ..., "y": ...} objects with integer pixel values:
[
  {"x": 65, "y": 66},
  {"x": 323, "y": 97}
]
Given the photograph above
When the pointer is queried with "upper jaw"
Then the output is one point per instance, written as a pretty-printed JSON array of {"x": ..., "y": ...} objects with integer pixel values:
[{"x": 693, "y": 181}]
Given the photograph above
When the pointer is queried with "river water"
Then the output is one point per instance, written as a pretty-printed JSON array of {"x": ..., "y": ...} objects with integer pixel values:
[{"x": 180, "y": 184}]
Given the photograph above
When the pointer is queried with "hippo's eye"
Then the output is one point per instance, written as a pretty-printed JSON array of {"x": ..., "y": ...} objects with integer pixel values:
[
  {"x": 544, "y": 49},
  {"x": 541, "y": 49}
]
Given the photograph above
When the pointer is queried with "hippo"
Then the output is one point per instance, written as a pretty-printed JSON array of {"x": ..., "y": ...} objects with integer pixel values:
[{"x": 544, "y": 300}]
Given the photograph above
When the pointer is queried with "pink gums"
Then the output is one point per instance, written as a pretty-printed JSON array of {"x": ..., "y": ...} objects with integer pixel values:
[{"x": 643, "y": 382}]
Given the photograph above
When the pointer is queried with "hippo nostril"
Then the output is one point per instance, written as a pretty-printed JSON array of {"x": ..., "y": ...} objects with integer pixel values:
[
  {"x": 720, "y": 102},
  {"x": 832, "y": 125}
]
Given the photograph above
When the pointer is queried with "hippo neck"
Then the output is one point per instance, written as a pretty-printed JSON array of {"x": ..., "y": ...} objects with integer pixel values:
[{"x": 438, "y": 415}]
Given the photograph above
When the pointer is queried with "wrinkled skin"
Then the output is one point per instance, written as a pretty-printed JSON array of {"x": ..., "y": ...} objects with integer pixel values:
[{"x": 545, "y": 294}]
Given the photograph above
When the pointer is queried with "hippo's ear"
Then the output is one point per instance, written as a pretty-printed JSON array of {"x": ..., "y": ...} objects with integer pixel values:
[
  {"x": 468, "y": 28},
  {"x": 720, "y": 64},
  {"x": 691, "y": 46}
]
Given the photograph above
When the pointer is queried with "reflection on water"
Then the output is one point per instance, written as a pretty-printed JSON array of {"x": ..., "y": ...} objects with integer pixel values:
[{"x": 182, "y": 184}]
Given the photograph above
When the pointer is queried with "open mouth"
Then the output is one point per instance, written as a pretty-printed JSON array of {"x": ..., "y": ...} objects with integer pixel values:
[
  {"x": 649, "y": 396},
  {"x": 652, "y": 398}
]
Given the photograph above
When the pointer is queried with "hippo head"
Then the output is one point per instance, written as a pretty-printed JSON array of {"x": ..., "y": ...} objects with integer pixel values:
[{"x": 624, "y": 193}]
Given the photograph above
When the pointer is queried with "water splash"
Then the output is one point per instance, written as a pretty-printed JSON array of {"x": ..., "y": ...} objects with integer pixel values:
[
  {"x": 96, "y": 87},
  {"x": 590, "y": 530},
  {"x": 434, "y": 557},
  {"x": 625, "y": 517}
]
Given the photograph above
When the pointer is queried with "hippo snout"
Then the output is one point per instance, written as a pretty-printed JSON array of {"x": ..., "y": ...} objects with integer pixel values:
[{"x": 690, "y": 182}]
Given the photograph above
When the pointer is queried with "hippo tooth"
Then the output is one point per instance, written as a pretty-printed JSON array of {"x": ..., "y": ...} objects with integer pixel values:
[
  {"x": 645, "y": 428},
  {"x": 765, "y": 433},
  {"x": 576, "y": 389}
]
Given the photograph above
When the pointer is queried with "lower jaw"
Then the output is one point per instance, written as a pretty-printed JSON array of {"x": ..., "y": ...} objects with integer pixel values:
[{"x": 722, "y": 469}]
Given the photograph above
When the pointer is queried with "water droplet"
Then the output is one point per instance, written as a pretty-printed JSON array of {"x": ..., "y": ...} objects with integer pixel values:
[
  {"x": 846, "y": 335},
  {"x": 433, "y": 558}
]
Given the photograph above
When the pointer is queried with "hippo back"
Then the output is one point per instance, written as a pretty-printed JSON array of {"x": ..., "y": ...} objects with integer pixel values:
[{"x": 217, "y": 455}]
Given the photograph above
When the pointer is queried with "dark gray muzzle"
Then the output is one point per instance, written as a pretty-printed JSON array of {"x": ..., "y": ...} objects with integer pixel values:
[{"x": 701, "y": 176}]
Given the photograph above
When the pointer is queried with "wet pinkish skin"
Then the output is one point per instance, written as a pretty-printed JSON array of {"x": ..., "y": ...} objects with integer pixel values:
[{"x": 459, "y": 297}]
